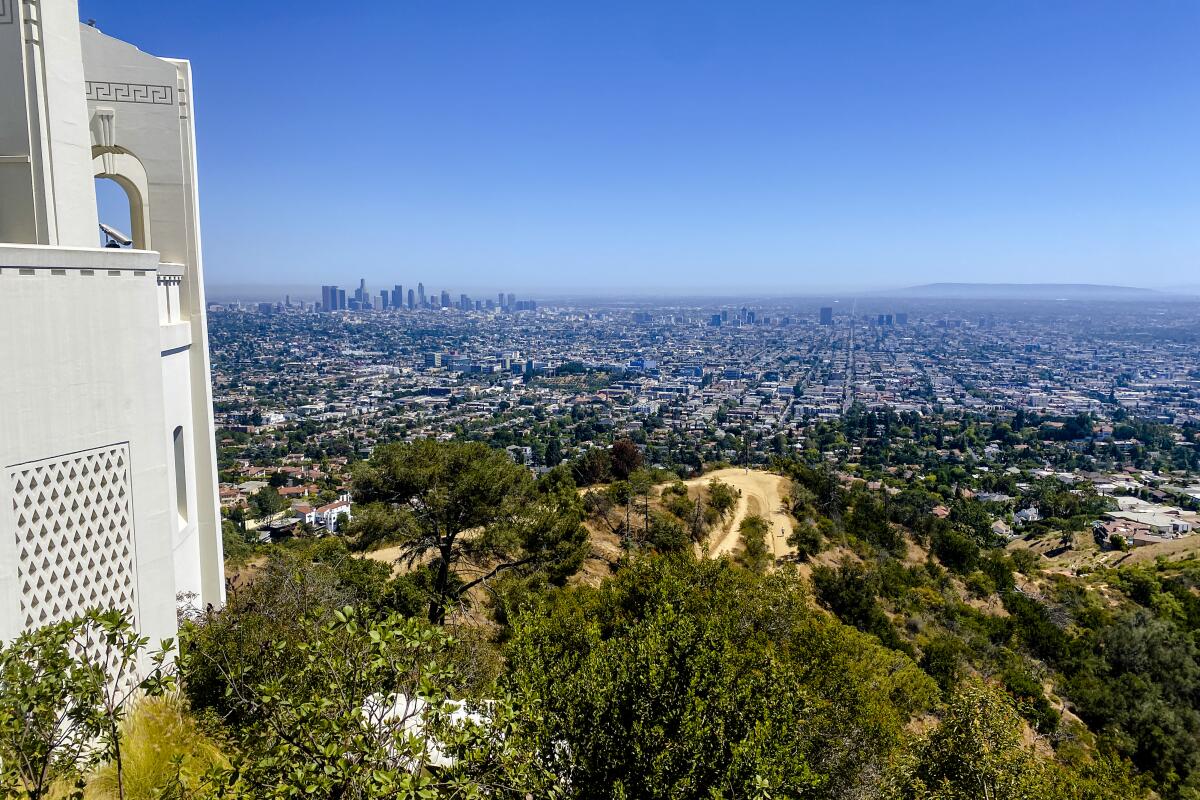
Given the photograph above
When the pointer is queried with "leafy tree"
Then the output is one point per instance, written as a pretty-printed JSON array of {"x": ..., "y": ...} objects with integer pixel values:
[
  {"x": 368, "y": 708},
  {"x": 975, "y": 752},
  {"x": 594, "y": 466},
  {"x": 850, "y": 591},
  {"x": 955, "y": 549},
  {"x": 237, "y": 640},
  {"x": 236, "y": 547},
  {"x": 869, "y": 521},
  {"x": 1025, "y": 561},
  {"x": 681, "y": 678},
  {"x": 553, "y": 452},
  {"x": 625, "y": 458},
  {"x": 978, "y": 751},
  {"x": 63, "y": 694},
  {"x": 721, "y": 497},
  {"x": 752, "y": 533},
  {"x": 942, "y": 659},
  {"x": 266, "y": 503},
  {"x": 667, "y": 534},
  {"x": 473, "y": 512},
  {"x": 807, "y": 539},
  {"x": 997, "y": 566},
  {"x": 1142, "y": 692}
]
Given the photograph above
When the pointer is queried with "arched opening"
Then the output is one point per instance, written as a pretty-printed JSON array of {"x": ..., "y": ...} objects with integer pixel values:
[
  {"x": 181, "y": 491},
  {"x": 122, "y": 191},
  {"x": 118, "y": 206}
]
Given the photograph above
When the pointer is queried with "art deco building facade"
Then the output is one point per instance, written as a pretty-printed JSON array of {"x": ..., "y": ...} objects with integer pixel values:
[{"x": 107, "y": 465}]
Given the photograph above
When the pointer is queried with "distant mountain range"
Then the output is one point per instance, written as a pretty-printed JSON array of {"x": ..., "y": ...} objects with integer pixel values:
[{"x": 1027, "y": 291}]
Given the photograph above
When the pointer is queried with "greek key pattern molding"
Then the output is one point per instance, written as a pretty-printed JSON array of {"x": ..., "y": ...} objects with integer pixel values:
[{"x": 147, "y": 93}]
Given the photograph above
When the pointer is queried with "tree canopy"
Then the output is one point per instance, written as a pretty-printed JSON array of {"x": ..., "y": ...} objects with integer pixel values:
[{"x": 470, "y": 513}]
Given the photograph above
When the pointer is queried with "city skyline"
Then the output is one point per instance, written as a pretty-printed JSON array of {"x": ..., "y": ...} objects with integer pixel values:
[
  {"x": 304, "y": 293},
  {"x": 333, "y": 297},
  {"x": 781, "y": 148}
]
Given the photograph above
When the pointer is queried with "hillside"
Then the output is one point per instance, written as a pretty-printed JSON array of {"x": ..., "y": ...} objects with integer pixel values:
[{"x": 809, "y": 577}]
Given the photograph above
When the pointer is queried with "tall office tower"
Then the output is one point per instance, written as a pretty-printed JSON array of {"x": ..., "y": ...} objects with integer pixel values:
[
  {"x": 464, "y": 302},
  {"x": 328, "y": 295},
  {"x": 826, "y": 315},
  {"x": 411, "y": 299},
  {"x": 421, "y": 295},
  {"x": 341, "y": 299},
  {"x": 108, "y": 482},
  {"x": 361, "y": 294},
  {"x": 397, "y": 296},
  {"x": 512, "y": 301},
  {"x": 445, "y": 299},
  {"x": 384, "y": 302},
  {"x": 500, "y": 300}
]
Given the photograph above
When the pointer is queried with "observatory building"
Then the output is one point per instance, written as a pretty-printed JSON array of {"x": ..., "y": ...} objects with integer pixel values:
[{"x": 107, "y": 465}]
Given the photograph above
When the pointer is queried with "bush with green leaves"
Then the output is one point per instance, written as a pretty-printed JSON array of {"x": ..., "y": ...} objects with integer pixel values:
[
  {"x": 978, "y": 751},
  {"x": 721, "y": 497},
  {"x": 692, "y": 679},
  {"x": 667, "y": 533},
  {"x": 851, "y": 592},
  {"x": 64, "y": 690},
  {"x": 370, "y": 706},
  {"x": 754, "y": 554},
  {"x": 807, "y": 538}
]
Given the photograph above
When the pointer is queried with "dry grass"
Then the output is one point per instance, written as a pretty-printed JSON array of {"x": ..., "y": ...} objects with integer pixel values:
[{"x": 162, "y": 745}]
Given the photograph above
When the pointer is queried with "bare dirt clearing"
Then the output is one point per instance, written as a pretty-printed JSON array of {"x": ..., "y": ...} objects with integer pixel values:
[{"x": 762, "y": 493}]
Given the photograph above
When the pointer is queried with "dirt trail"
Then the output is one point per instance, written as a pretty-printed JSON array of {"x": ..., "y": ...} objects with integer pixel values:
[{"x": 763, "y": 493}]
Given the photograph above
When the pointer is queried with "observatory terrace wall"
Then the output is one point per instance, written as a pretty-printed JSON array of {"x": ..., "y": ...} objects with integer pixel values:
[{"x": 85, "y": 486}]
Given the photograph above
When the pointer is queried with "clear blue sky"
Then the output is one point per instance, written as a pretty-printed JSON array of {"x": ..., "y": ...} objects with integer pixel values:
[{"x": 779, "y": 146}]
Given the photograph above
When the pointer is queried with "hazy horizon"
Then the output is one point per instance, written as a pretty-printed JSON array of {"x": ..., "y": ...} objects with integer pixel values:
[
  {"x": 251, "y": 292},
  {"x": 774, "y": 148}
]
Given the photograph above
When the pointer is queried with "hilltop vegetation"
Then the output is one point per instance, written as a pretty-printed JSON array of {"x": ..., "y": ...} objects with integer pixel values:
[{"x": 894, "y": 649}]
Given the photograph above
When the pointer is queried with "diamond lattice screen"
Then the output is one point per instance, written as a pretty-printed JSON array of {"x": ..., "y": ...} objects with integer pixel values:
[{"x": 74, "y": 534}]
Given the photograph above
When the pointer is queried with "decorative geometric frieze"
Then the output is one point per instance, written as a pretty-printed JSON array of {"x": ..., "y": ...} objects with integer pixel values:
[
  {"x": 74, "y": 535},
  {"x": 149, "y": 93},
  {"x": 8, "y": 12}
]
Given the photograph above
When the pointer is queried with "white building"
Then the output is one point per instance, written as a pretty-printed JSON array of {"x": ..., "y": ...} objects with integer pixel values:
[
  {"x": 108, "y": 492},
  {"x": 329, "y": 514}
]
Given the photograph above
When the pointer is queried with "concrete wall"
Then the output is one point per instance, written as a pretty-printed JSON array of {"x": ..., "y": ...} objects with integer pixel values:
[
  {"x": 45, "y": 156},
  {"x": 81, "y": 364}
]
